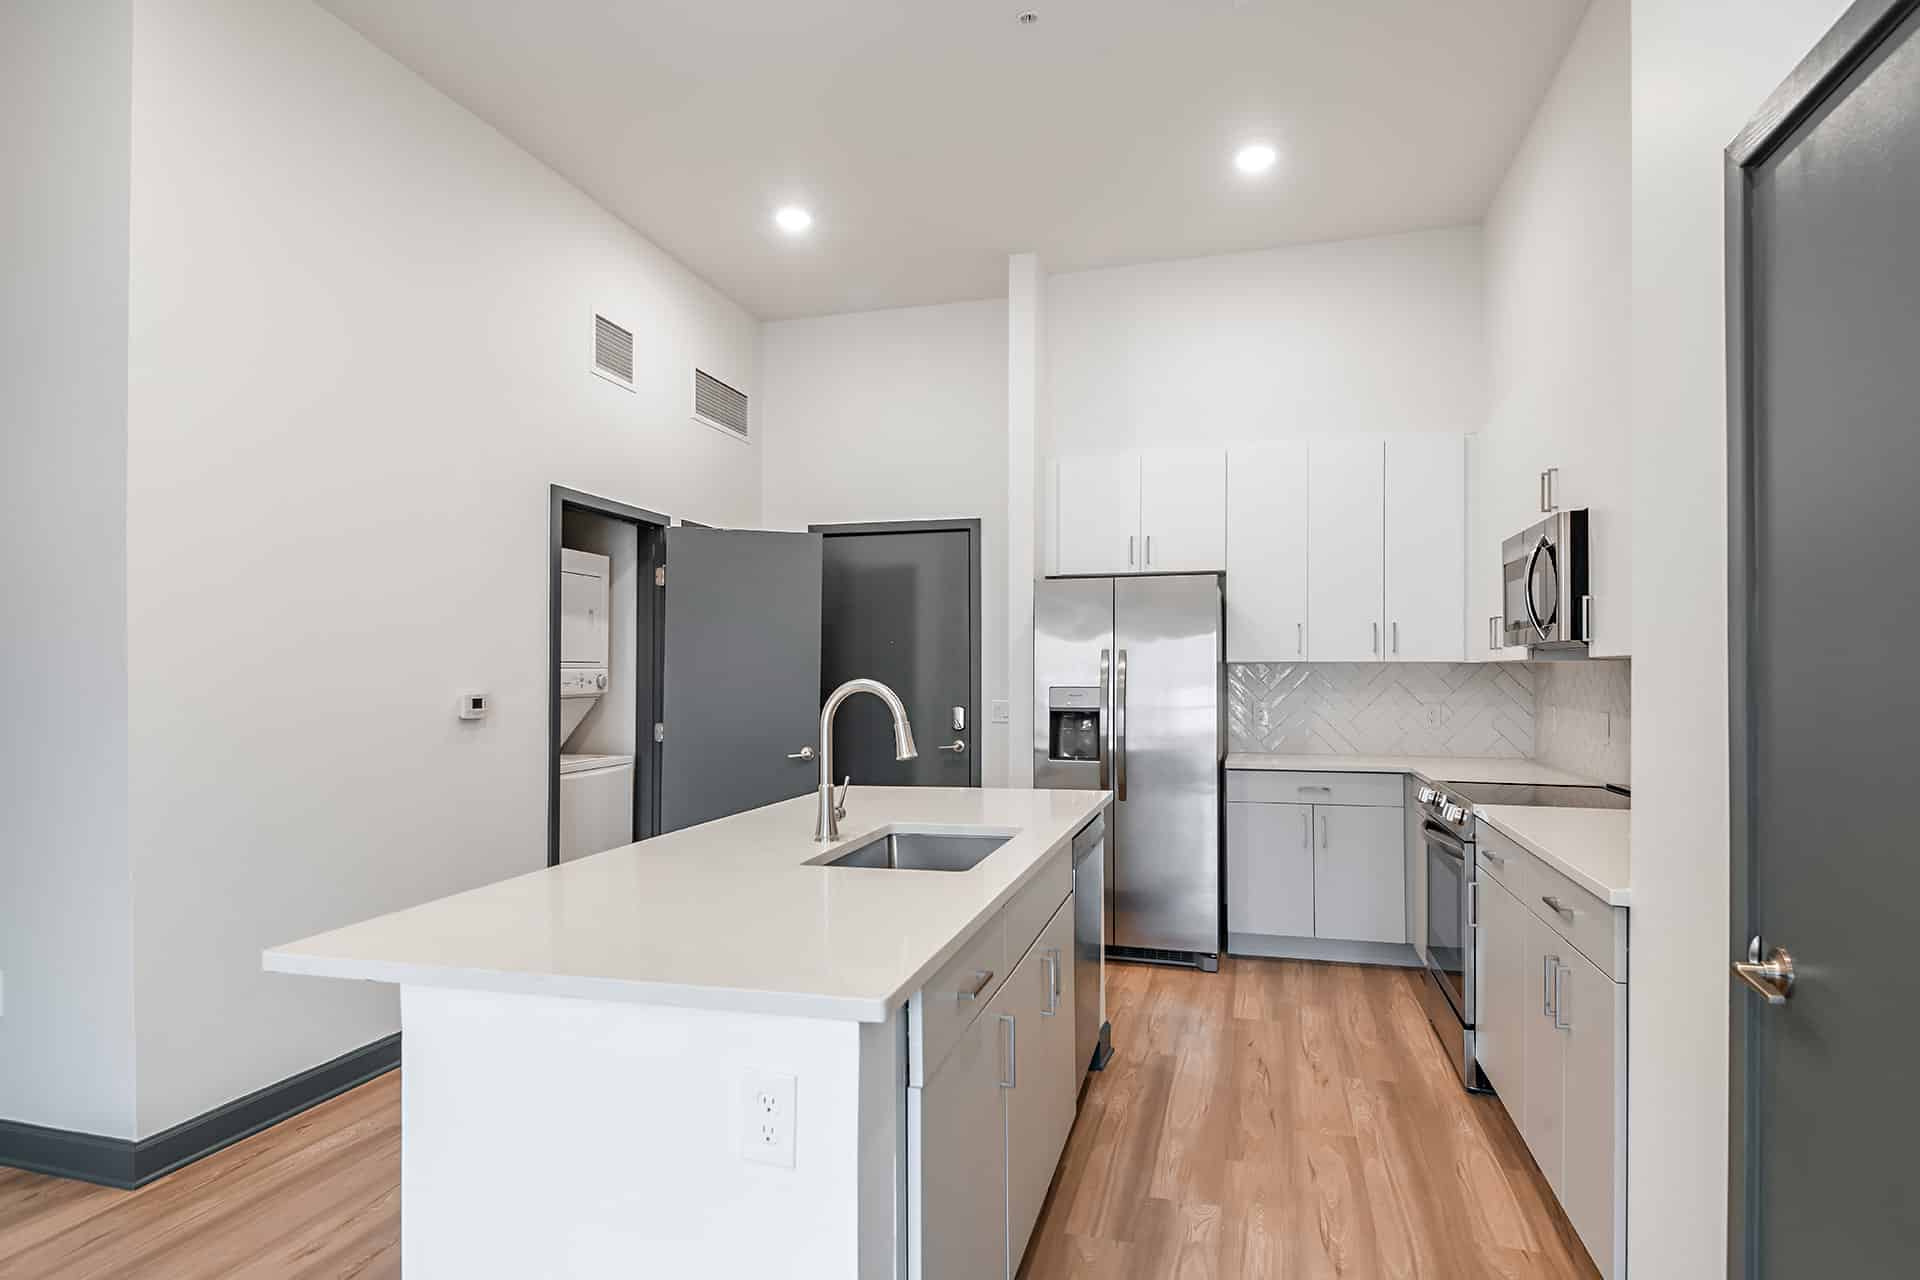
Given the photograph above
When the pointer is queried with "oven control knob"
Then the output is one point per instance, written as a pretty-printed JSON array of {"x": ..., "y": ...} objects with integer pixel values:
[
  {"x": 1452, "y": 812},
  {"x": 1426, "y": 795}
]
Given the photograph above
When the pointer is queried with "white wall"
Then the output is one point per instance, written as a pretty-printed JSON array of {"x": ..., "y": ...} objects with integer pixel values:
[
  {"x": 1558, "y": 271},
  {"x": 1700, "y": 70},
  {"x": 1381, "y": 334},
  {"x": 360, "y": 340},
  {"x": 896, "y": 415},
  {"x": 66, "y": 1036}
]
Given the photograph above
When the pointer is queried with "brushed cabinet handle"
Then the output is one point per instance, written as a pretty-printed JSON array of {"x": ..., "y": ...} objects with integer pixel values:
[
  {"x": 1012, "y": 1077},
  {"x": 1149, "y": 551},
  {"x": 1376, "y": 637},
  {"x": 1473, "y": 904},
  {"x": 980, "y": 984},
  {"x": 1549, "y": 963},
  {"x": 1559, "y": 907},
  {"x": 1129, "y": 551},
  {"x": 1396, "y": 637},
  {"x": 1299, "y": 637},
  {"x": 1560, "y": 1021},
  {"x": 1323, "y": 831},
  {"x": 1306, "y": 828},
  {"x": 1052, "y": 958}
]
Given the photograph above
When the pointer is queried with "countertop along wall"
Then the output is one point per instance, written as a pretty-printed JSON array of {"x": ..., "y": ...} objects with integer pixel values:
[{"x": 361, "y": 339}]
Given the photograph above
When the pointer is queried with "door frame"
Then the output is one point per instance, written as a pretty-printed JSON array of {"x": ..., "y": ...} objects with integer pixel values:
[
  {"x": 958, "y": 524},
  {"x": 651, "y": 526},
  {"x": 1854, "y": 39}
]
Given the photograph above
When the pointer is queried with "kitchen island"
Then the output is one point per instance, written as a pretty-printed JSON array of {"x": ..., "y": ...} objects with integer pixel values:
[{"x": 586, "y": 1047}]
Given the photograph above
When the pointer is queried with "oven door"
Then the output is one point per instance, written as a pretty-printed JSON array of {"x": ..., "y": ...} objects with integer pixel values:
[{"x": 1450, "y": 922}]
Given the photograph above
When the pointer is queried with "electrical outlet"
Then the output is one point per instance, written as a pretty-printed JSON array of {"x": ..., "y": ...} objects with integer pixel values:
[
  {"x": 1001, "y": 711},
  {"x": 767, "y": 1119},
  {"x": 1436, "y": 716}
]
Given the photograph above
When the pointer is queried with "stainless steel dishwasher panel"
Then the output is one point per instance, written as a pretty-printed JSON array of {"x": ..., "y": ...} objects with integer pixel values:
[{"x": 1091, "y": 1038}]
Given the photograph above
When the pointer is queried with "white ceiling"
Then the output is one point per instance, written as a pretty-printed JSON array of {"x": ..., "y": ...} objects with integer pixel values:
[{"x": 931, "y": 138}]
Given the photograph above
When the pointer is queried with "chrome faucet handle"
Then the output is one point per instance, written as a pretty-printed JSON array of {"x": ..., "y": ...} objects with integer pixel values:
[{"x": 840, "y": 801}]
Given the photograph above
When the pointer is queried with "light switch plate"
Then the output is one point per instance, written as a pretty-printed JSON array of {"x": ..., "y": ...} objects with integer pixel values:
[{"x": 1001, "y": 711}]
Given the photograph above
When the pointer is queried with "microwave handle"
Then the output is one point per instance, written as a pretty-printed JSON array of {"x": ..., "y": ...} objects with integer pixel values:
[{"x": 1526, "y": 586}]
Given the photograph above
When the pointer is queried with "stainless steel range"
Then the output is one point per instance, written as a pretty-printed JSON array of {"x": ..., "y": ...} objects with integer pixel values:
[{"x": 1451, "y": 989}]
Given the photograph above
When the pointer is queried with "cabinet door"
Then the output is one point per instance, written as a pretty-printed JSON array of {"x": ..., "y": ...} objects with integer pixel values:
[
  {"x": 957, "y": 1158},
  {"x": 1270, "y": 869},
  {"x": 1267, "y": 552},
  {"x": 1046, "y": 1084},
  {"x": 1425, "y": 567},
  {"x": 1593, "y": 1008},
  {"x": 1359, "y": 874},
  {"x": 1096, "y": 512},
  {"x": 1501, "y": 969},
  {"x": 1543, "y": 1052},
  {"x": 1346, "y": 502},
  {"x": 1183, "y": 510}
]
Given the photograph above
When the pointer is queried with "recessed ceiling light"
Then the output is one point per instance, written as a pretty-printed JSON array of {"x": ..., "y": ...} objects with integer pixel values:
[
  {"x": 792, "y": 219},
  {"x": 1255, "y": 157}
]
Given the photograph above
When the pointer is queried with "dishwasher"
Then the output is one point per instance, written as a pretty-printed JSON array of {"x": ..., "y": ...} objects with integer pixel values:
[{"x": 1093, "y": 1036}]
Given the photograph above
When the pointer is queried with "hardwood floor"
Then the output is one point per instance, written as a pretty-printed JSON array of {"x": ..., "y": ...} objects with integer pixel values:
[
  {"x": 314, "y": 1196},
  {"x": 1278, "y": 1118},
  {"x": 1289, "y": 1119}
]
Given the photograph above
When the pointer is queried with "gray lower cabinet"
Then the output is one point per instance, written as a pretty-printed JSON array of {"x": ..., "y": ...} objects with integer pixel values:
[
  {"x": 1333, "y": 870},
  {"x": 1552, "y": 1036},
  {"x": 986, "y": 1130}
]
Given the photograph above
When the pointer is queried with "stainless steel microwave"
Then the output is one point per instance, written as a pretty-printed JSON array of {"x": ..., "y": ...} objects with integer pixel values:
[{"x": 1546, "y": 593}]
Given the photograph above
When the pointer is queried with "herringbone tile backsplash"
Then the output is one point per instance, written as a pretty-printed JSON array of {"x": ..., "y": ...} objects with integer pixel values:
[{"x": 1377, "y": 708}]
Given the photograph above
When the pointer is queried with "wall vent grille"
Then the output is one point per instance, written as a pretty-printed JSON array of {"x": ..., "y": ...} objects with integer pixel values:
[
  {"x": 720, "y": 405},
  {"x": 613, "y": 352}
]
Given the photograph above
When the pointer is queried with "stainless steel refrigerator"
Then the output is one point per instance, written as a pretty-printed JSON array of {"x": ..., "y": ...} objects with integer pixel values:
[{"x": 1129, "y": 693}]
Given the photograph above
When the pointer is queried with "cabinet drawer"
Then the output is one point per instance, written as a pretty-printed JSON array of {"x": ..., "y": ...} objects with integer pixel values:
[
  {"x": 1035, "y": 904},
  {"x": 941, "y": 1011},
  {"x": 1596, "y": 930},
  {"x": 1382, "y": 790}
]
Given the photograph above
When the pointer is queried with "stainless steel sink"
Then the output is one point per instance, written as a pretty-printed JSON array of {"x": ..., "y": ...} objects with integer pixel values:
[{"x": 921, "y": 851}]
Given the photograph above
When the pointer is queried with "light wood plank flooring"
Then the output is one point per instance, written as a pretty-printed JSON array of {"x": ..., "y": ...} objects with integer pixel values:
[
  {"x": 1288, "y": 1119},
  {"x": 1275, "y": 1119}
]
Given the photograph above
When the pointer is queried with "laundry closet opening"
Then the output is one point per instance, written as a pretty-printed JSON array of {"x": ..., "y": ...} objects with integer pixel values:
[{"x": 604, "y": 682}]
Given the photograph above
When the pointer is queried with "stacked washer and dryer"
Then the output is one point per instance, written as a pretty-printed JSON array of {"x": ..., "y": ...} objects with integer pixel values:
[{"x": 596, "y": 789}]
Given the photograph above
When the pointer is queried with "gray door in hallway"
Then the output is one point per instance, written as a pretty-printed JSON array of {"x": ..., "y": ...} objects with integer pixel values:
[
  {"x": 900, "y": 603},
  {"x": 1824, "y": 541},
  {"x": 740, "y": 671}
]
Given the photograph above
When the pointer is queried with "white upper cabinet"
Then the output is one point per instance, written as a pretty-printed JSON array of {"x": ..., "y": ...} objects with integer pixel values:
[
  {"x": 1161, "y": 511},
  {"x": 1426, "y": 539},
  {"x": 1267, "y": 552},
  {"x": 1345, "y": 548},
  {"x": 1183, "y": 510},
  {"x": 1096, "y": 512}
]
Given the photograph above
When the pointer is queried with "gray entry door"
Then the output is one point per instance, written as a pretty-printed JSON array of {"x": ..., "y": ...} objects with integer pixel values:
[
  {"x": 1167, "y": 729},
  {"x": 1824, "y": 272},
  {"x": 740, "y": 671},
  {"x": 902, "y": 607}
]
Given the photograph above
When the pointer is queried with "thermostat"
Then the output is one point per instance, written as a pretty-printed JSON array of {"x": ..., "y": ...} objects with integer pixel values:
[{"x": 473, "y": 706}]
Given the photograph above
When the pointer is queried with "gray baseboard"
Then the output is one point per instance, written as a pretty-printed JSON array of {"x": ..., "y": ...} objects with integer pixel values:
[
  {"x": 128, "y": 1163},
  {"x": 1260, "y": 944}
]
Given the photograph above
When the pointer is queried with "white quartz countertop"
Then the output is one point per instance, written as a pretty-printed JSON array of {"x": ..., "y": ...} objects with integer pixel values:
[
  {"x": 1428, "y": 768},
  {"x": 1589, "y": 846},
  {"x": 725, "y": 915}
]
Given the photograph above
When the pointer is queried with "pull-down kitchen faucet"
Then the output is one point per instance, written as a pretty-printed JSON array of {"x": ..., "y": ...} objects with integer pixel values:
[{"x": 826, "y": 824}]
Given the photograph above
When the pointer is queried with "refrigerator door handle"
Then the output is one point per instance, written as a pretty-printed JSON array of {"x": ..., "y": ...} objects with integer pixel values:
[
  {"x": 1106, "y": 720},
  {"x": 1120, "y": 726}
]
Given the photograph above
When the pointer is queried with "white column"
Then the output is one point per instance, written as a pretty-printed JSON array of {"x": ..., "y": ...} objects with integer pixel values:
[{"x": 1025, "y": 544}]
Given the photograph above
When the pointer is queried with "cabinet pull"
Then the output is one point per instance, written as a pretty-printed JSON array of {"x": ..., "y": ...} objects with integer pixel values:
[
  {"x": 1559, "y": 907},
  {"x": 1473, "y": 904},
  {"x": 1012, "y": 1078},
  {"x": 980, "y": 984},
  {"x": 1149, "y": 551},
  {"x": 1306, "y": 827},
  {"x": 1129, "y": 551},
  {"x": 1560, "y": 999},
  {"x": 1052, "y": 956},
  {"x": 1323, "y": 831},
  {"x": 1396, "y": 637},
  {"x": 1494, "y": 858},
  {"x": 1376, "y": 637},
  {"x": 1493, "y": 632},
  {"x": 1548, "y": 965},
  {"x": 1300, "y": 637}
]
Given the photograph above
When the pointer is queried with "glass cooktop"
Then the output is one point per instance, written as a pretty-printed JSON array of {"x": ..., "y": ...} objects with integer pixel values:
[{"x": 1529, "y": 793}]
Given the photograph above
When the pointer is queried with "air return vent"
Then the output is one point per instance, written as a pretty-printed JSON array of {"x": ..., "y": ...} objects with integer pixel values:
[
  {"x": 716, "y": 403},
  {"x": 612, "y": 352}
]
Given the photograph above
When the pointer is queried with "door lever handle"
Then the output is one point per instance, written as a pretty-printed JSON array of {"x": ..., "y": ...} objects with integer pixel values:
[
  {"x": 958, "y": 744},
  {"x": 1772, "y": 977},
  {"x": 804, "y": 753}
]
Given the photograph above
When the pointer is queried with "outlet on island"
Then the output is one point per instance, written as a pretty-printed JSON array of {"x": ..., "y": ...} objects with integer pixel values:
[{"x": 767, "y": 1122}]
